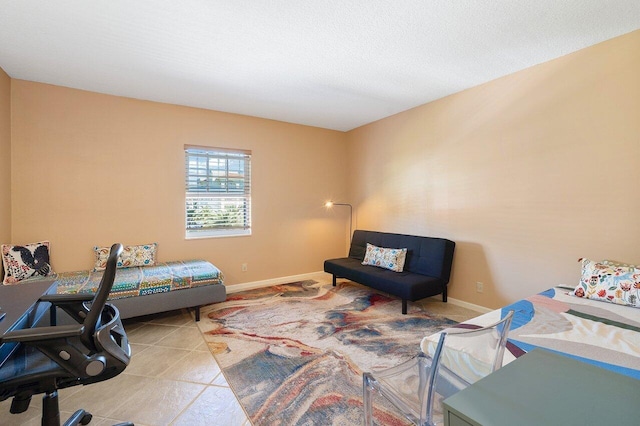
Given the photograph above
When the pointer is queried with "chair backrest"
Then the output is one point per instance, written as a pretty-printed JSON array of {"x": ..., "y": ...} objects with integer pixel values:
[
  {"x": 93, "y": 319},
  {"x": 474, "y": 352},
  {"x": 462, "y": 356}
]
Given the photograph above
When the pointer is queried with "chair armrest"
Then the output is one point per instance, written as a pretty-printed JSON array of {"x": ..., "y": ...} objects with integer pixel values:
[
  {"x": 42, "y": 333},
  {"x": 58, "y": 299},
  {"x": 62, "y": 345},
  {"x": 72, "y": 304}
]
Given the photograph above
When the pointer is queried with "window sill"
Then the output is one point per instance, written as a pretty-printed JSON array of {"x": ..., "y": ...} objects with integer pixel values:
[{"x": 217, "y": 234}]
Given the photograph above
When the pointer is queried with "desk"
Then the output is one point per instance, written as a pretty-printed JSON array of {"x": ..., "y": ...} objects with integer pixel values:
[
  {"x": 544, "y": 388},
  {"x": 18, "y": 302}
]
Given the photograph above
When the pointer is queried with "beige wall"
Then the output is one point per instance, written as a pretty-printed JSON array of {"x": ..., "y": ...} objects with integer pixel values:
[
  {"x": 5, "y": 158},
  {"x": 91, "y": 169},
  {"x": 526, "y": 173}
]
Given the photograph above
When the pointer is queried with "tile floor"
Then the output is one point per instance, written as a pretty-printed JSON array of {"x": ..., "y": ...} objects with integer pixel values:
[{"x": 172, "y": 379}]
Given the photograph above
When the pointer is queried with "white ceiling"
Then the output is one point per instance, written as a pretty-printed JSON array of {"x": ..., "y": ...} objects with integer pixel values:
[{"x": 336, "y": 64}]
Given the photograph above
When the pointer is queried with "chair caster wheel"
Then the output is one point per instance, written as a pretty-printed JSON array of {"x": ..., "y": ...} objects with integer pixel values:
[{"x": 86, "y": 419}]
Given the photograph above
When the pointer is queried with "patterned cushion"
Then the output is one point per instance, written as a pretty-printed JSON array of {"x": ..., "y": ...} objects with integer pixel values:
[
  {"x": 142, "y": 255},
  {"x": 163, "y": 277},
  {"x": 388, "y": 258},
  {"x": 609, "y": 283},
  {"x": 22, "y": 262}
]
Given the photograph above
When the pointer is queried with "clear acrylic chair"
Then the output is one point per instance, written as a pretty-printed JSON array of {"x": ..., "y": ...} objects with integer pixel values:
[{"x": 458, "y": 358}]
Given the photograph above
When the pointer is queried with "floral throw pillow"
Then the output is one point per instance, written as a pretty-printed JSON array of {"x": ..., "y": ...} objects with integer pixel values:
[
  {"x": 609, "y": 283},
  {"x": 142, "y": 255},
  {"x": 616, "y": 263},
  {"x": 27, "y": 261},
  {"x": 388, "y": 258}
]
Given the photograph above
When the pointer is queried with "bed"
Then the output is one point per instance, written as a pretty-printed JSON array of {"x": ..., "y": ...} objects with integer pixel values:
[
  {"x": 596, "y": 332},
  {"x": 144, "y": 290}
]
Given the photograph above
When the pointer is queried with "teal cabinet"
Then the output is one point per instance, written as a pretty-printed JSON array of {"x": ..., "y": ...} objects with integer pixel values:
[{"x": 544, "y": 388}]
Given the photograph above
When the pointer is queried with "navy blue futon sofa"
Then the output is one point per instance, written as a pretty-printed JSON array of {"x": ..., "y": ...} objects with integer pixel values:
[{"x": 426, "y": 271}]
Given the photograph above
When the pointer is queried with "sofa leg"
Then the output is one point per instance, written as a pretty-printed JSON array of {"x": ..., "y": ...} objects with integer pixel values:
[
  {"x": 404, "y": 306},
  {"x": 197, "y": 313},
  {"x": 334, "y": 280},
  {"x": 444, "y": 294}
]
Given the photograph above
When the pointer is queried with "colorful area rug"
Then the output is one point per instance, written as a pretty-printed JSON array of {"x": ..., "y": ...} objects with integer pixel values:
[{"x": 294, "y": 353}]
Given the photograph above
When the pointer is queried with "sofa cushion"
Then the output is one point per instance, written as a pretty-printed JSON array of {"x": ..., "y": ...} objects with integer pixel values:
[
  {"x": 406, "y": 285},
  {"x": 425, "y": 255}
]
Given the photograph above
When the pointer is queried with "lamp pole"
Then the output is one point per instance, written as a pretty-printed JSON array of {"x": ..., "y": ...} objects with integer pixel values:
[{"x": 331, "y": 203}]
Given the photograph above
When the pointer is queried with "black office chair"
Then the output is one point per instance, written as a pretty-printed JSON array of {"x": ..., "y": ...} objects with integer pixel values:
[{"x": 59, "y": 356}]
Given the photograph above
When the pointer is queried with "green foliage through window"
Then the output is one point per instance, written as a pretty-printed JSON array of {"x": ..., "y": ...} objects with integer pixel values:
[{"x": 218, "y": 192}]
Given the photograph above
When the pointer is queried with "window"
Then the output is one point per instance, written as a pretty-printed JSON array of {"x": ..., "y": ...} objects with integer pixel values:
[{"x": 218, "y": 192}]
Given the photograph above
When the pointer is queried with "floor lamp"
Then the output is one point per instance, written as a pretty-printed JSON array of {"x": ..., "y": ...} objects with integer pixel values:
[{"x": 330, "y": 204}]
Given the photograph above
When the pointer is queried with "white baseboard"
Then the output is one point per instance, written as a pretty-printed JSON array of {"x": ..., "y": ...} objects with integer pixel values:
[
  {"x": 315, "y": 275},
  {"x": 473, "y": 307},
  {"x": 273, "y": 281}
]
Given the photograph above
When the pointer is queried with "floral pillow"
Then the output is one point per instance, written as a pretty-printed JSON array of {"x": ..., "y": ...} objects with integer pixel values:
[
  {"x": 388, "y": 258},
  {"x": 609, "y": 283},
  {"x": 27, "y": 261},
  {"x": 616, "y": 263},
  {"x": 142, "y": 255}
]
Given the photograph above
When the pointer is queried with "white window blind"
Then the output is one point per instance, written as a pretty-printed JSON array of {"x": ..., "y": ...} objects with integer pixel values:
[{"x": 218, "y": 192}]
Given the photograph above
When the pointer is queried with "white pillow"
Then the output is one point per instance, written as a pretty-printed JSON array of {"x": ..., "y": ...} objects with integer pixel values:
[{"x": 388, "y": 258}]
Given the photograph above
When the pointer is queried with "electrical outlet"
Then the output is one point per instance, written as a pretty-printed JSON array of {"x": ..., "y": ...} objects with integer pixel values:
[
  {"x": 245, "y": 267},
  {"x": 479, "y": 287}
]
